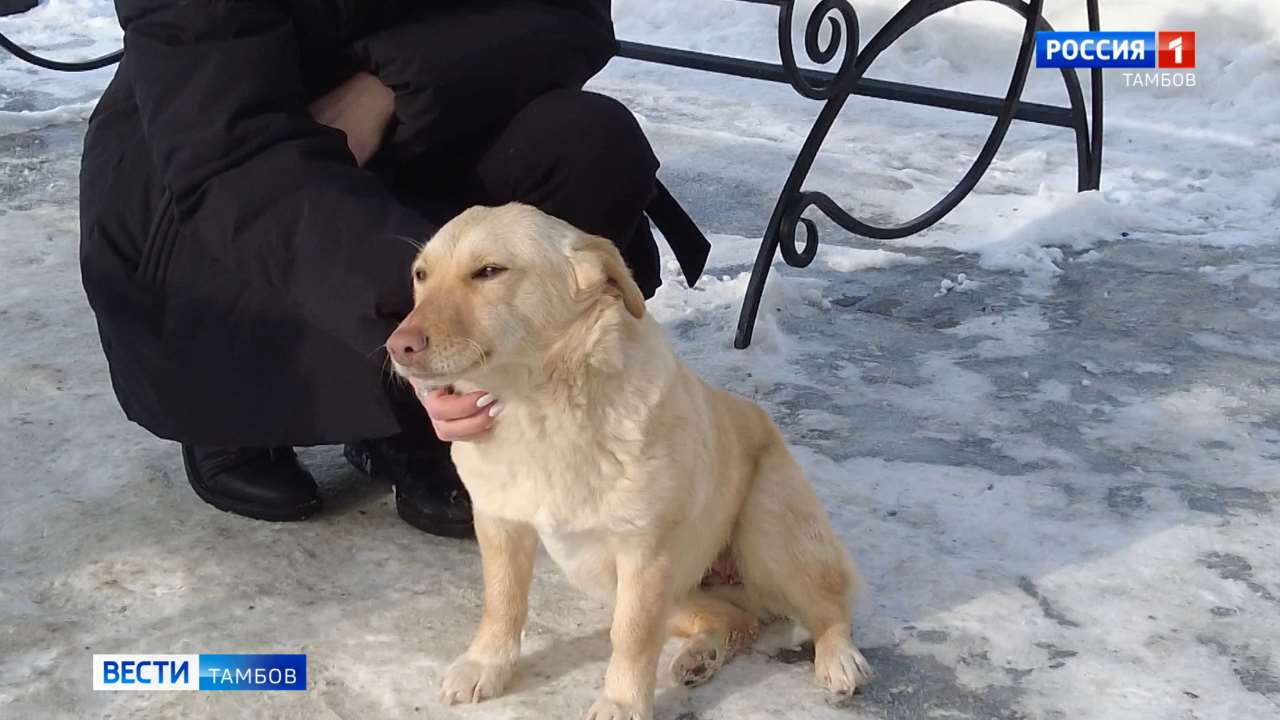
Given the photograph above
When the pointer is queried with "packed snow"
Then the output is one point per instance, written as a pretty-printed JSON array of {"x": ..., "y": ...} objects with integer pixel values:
[{"x": 1048, "y": 428}]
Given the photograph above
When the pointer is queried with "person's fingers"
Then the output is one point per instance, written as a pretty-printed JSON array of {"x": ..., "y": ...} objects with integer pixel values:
[
  {"x": 463, "y": 430},
  {"x": 460, "y": 418},
  {"x": 443, "y": 405}
]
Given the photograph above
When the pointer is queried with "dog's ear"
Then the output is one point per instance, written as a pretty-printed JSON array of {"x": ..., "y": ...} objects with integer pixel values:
[{"x": 598, "y": 267}]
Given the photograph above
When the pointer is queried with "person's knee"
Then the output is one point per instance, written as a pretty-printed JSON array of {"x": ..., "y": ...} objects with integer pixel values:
[
  {"x": 597, "y": 142},
  {"x": 579, "y": 156}
]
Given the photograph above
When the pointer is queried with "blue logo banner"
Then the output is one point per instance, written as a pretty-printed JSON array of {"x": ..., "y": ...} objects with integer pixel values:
[
  {"x": 1096, "y": 49},
  {"x": 253, "y": 672}
]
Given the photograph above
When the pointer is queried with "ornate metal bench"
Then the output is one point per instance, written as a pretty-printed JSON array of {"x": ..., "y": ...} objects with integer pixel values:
[{"x": 833, "y": 89}]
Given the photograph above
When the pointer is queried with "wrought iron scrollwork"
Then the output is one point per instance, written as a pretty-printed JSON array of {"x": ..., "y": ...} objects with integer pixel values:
[
  {"x": 793, "y": 218},
  {"x": 788, "y": 216},
  {"x": 842, "y": 34}
]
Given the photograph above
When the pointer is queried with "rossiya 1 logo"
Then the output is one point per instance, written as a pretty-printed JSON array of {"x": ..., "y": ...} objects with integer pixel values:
[{"x": 1171, "y": 53}]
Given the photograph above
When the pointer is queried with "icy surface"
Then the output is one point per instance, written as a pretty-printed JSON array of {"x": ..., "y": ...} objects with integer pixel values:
[{"x": 1048, "y": 428}]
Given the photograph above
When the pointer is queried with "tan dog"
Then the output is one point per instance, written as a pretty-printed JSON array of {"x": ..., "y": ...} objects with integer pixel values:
[{"x": 634, "y": 473}]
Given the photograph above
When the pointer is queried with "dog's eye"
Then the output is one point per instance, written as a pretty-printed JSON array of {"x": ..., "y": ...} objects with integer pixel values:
[
  {"x": 420, "y": 275},
  {"x": 488, "y": 271}
]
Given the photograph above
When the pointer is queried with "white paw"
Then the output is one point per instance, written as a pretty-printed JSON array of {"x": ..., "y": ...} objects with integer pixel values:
[
  {"x": 842, "y": 670},
  {"x": 606, "y": 709},
  {"x": 470, "y": 680},
  {"x": 698, "y": 661}
]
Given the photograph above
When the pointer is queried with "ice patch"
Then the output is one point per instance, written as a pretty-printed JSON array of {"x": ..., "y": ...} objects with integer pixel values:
[
  {"x": 1009, "y": 334},
  {"x": 1267, "y": 276}
]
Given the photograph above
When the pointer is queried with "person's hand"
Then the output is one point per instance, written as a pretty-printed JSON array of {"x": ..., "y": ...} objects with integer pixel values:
[
  {"x": 361, "y": 107},
  {"x": 460, "y": 418}
]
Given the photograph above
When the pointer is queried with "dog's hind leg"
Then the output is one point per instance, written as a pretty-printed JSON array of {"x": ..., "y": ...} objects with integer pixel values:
[
  {"x": 792, "y": 563},
  {"x": 716, "y": 631}
]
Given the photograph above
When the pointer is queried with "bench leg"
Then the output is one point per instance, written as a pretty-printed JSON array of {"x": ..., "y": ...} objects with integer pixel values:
[
  {"x": 755, "y": 287},
  {"x": 1095, "y": 96}
]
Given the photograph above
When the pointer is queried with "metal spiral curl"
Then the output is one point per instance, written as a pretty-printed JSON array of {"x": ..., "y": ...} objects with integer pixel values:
[
  {"x": 791, "y": 219},
  {"x": 818, "y": 52}
]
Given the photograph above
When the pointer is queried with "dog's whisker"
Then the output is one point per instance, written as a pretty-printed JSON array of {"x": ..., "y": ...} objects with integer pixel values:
[
  {"x": 484, "y": 357},
  {"x": 417, "y": 244},
  {"x": 386, "y": 370}
]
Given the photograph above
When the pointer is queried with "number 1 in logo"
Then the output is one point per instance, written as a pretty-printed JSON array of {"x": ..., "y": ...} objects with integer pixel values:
[{"x": 1177, "y": 50}]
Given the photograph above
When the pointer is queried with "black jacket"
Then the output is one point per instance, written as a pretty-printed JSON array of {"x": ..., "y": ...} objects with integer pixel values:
[{"x": 240, "y": 265}]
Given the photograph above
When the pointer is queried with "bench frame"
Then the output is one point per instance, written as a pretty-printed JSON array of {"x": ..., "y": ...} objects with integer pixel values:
[{"x": 833, "y": 89}]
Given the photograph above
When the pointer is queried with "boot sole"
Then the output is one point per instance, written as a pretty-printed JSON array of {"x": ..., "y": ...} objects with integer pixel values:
[{"x": 249, "y": 510}]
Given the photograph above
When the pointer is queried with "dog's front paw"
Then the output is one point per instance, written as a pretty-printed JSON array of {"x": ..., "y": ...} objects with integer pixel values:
[
  {"x": 842, "y": 669},
  {"x": 606, "y": 709},
  {"x": 470, "y": 679}
]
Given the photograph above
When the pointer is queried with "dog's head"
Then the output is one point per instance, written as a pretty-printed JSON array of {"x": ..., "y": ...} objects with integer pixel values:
[{"x": 501, "y": 286}]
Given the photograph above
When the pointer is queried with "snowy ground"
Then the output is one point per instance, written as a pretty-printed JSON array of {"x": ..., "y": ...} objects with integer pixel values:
[{"x": 1048, "y": 429}]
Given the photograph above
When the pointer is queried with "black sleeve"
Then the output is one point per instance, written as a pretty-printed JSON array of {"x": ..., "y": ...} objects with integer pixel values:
[
  {"x": 464, "y": 71},
  {"x": 274, "y": 194}
]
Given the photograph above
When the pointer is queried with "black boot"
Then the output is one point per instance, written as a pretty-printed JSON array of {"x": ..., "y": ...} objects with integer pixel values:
[
  {"x": 429, "y": 495},
  {"x": 260, "y": 483}
]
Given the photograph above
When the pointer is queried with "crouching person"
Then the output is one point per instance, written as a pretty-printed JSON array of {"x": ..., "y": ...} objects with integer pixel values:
[{"x": 255, "y": 183}]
